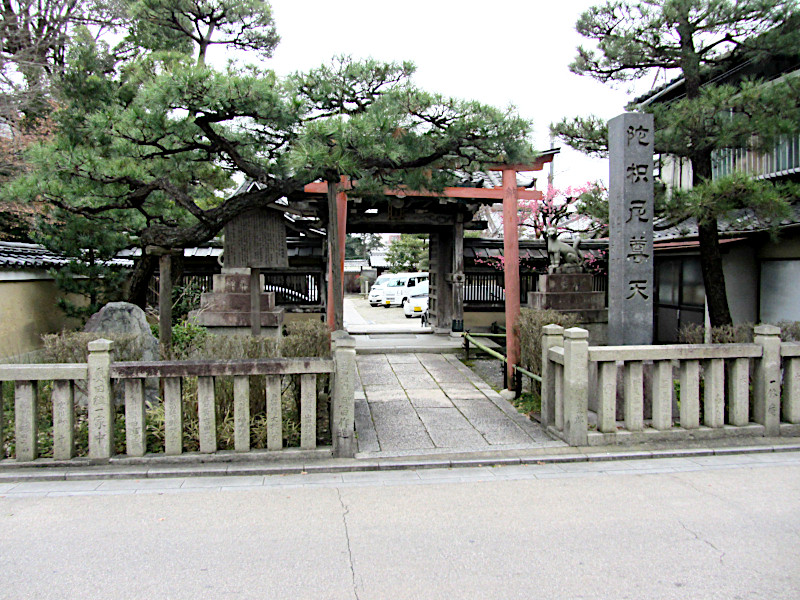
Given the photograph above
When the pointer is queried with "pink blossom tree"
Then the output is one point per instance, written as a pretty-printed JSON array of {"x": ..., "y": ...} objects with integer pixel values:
[{"x": 561, "y": 209}]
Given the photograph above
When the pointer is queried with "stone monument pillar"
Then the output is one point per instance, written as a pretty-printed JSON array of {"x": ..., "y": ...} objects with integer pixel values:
[
  {"x": 253, "y": 240},
  {"x": 630, "y": 207}
]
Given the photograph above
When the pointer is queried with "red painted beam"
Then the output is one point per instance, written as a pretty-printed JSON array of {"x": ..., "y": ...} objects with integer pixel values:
[{"x": 321, "y": 187}]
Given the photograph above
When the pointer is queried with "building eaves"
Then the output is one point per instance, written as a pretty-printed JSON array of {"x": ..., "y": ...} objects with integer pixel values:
[
  {"x": 740, "y": 222},
  {"x": 18, "y": 255}
]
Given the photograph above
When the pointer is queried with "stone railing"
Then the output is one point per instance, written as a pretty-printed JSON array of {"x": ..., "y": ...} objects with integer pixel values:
[
  {"x": 100, "y": 372},
  {"x": 677, "y": 392}
]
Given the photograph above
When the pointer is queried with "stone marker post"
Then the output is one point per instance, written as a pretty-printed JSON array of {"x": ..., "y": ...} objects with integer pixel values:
[
  {"x": 552, "y": 336},
  {"x": 767, "y": 380},
  {"x": 343, "y": 401},
  {"x": 576, "y": 386},
  {"x": 630, "y": 207},
  {"x": 26, "y": 395},
  {"x": 101, "y": 400}
]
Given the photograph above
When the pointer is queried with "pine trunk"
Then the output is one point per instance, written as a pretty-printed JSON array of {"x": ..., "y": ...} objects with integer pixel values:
[
  {"x": 140, "y": 278},
  {"x": 713, "y": 274},
  {"x": 710, "y": 255}
]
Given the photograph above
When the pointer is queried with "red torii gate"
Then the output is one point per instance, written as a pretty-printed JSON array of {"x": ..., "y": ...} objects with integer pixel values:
[{"x": 510, "y": 195}]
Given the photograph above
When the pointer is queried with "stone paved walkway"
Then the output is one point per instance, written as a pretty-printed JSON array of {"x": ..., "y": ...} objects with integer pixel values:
[{"x": 411, "y": 404}]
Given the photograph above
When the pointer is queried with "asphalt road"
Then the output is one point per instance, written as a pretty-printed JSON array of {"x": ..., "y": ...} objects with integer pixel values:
[{"x": 727, "y": 528}]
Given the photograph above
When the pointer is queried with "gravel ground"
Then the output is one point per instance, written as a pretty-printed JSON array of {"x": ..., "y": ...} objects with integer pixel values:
[{"x": 488, "y": 369}]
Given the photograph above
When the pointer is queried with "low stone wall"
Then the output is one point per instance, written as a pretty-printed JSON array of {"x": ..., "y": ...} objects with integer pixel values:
[
  {"x": 764, "y": 375},
  {"x": 100, "y": 371}
]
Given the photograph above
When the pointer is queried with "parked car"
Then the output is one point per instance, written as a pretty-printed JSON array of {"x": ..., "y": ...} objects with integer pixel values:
[
  {"x": 376, "y": 291},
  {"x": 417, "y": 304},
  {"x": 402, "y": 287}
]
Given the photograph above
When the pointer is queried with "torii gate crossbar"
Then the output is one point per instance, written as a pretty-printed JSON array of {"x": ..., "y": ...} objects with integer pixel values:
[{"x": 509, "y": 194}]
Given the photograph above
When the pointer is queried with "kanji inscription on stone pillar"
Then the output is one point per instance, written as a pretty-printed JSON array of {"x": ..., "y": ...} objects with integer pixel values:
[{"x": 630, "y": 207}]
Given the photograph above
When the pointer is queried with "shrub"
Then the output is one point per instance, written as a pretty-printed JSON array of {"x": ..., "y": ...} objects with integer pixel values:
[
  {"x": 529, "y": 326},
  {"x": 741, "y": 333},
  {"x": 186, "y": 338},
  {"x": 306, "y": 338},
  {"x": 207, "y": 346},
  {"x": 72, "y": 346},
  {"x": 790, "y": 330}
]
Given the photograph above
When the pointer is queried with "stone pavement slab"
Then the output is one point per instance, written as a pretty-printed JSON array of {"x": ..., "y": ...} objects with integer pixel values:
[
  {"x": 385, "y": 392},
  {"x": 427, "y": 402},
  {"x": 398, "y": 426}
]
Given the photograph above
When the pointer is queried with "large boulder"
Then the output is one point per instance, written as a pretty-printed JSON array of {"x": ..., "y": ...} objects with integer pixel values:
[
  {"x": 125, "y": 319},
  {"x": 127, "y": 324}
]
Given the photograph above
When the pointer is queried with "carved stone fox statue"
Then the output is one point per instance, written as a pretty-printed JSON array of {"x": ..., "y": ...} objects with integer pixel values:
[{"x": 561, "y": 254}]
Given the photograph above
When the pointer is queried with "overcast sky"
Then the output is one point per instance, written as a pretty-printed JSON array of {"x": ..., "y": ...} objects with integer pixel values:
[{"x": 500, "y": 53}]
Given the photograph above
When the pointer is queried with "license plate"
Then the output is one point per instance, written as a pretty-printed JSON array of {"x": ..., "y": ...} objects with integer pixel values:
[
  {"x": 417, "y": 309},
  {"x": 388, "y": 303}
]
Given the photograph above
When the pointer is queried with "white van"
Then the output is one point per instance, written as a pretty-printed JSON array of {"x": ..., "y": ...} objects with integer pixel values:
[
  {"x": 399, "y": 289},
  {"x": 376, "y": 291}
]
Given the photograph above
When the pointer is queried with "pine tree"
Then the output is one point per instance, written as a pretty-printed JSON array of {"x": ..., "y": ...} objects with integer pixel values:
[
  {"x": 699, "y": 40},
  {"x": 90, "y": 278},
  {"x": 151, "y": 133}
]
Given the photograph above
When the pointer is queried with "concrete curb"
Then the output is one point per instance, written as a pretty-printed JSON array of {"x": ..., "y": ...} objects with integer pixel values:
[{"x": 195, "y": 466}]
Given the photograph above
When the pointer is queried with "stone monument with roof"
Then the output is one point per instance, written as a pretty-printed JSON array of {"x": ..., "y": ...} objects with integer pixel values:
[{"x": 254, "y": 240}]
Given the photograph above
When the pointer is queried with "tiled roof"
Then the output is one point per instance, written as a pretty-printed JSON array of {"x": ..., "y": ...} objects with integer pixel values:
[
  {"x": 215, "y": 252},
  {"x": 378, "y": 259},
  {"x": 740, "y": 222},
  {"x": 355, "y": 265},
  {"x": 17, "y": 255}
]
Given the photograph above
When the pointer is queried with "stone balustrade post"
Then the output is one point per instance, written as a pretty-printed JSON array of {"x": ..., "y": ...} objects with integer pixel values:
[
  {"x": 26, "y": 405},
  {"x": 767, "y": 380},
  {"x": 343, "y": 400},
  {"x": 552, "y": 336},
  {"x": 576, "y": 386},
  {"x": 101, "y": 400}
]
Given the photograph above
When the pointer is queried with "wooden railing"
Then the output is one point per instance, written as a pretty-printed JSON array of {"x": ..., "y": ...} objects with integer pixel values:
[
  {"x": 657, "y": 404},
  {"x": 100, "y": 372}
]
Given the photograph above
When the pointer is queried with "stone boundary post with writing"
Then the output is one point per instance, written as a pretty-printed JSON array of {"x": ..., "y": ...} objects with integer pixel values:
[
  {"x": 630, "y": 220},
  {"x": 343, "y": 400},
  {"x": 767, "y": 380},
  {"x": 576, "y": 386},
  {"x": 101, "y": 400}
]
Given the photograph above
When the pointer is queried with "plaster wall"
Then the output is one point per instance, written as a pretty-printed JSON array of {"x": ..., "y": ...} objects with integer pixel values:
[
  {"x": 779, "y": 267},
  {"x": 785, "y": 248},
  {"x": 28, "y": 309}
]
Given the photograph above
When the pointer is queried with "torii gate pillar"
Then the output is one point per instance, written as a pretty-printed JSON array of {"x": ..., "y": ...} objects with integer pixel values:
[
  {"x": 337, "y": 236},
  {"x": 511, "y": 270}
]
